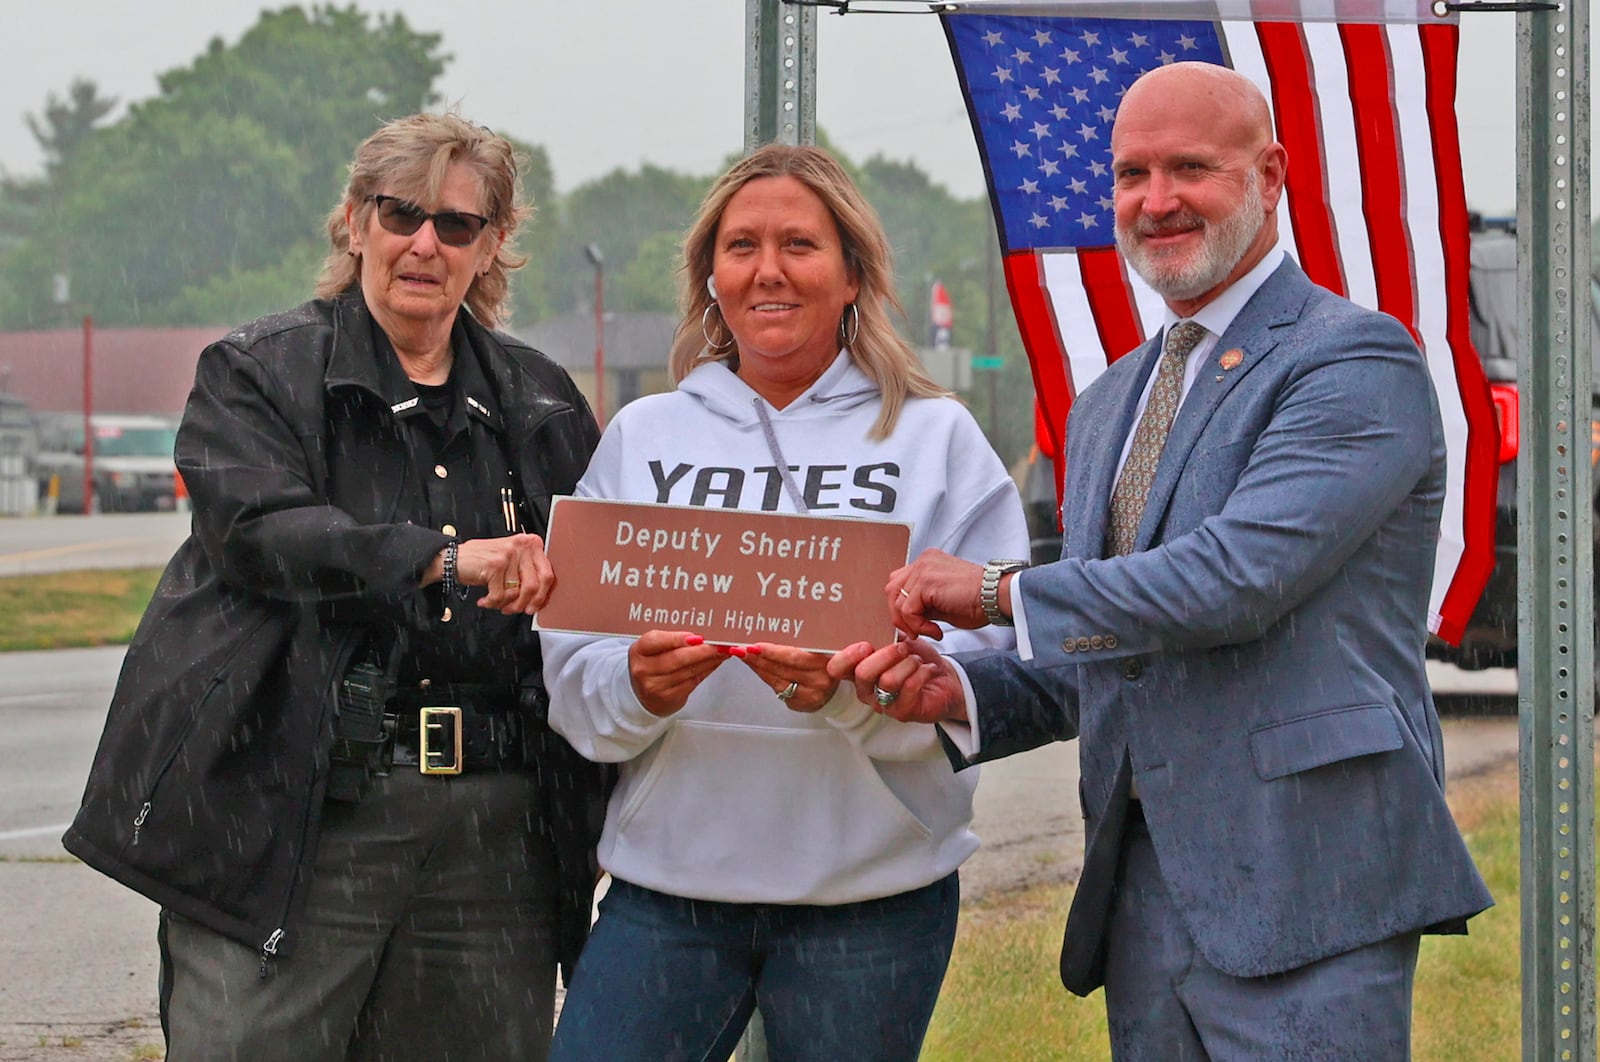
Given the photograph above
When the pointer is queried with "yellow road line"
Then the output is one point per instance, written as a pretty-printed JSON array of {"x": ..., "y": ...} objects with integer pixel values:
[{"x": 80, "y": 547}]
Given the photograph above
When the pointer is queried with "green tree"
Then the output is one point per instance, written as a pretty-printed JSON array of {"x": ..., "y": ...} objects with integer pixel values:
[
  {"x": 622, "y": 212},
  {"x": 316, "y": 81},
  {"x": 28, "y": 203},
  {"x": 650, "y": 281},
  {"x": 67, "y": 123},
  {"x": 938, "y": 237},
  {"x": 539, "y": 236},
  {"x": 225, "y": 176}
]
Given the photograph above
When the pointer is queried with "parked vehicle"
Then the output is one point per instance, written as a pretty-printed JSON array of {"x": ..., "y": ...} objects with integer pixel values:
[
  {"x": 131, "y": 460},
  {"x": 1491, "y": 636}
]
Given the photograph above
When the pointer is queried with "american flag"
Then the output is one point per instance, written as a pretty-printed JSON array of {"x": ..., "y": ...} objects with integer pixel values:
[{"x": 1374, "y": 208}]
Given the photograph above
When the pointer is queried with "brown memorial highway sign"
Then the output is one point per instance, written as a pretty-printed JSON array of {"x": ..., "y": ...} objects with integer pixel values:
[{"x": 732, "y": 577}]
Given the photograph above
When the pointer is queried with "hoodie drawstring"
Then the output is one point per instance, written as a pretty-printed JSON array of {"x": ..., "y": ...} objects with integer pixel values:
[{"x": 777, "y": 455}]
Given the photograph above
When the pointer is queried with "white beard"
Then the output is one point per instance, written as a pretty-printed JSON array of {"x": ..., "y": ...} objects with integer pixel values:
[{"x": 1222, "y": 246}]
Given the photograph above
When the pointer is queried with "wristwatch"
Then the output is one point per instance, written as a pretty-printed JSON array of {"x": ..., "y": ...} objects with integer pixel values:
[{"x": 989, "y": 589}]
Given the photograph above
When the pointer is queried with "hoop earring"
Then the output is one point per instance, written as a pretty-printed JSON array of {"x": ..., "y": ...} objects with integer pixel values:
[
  {"x": 705, "y": 328},
  {"x": 850, "y": 324}
]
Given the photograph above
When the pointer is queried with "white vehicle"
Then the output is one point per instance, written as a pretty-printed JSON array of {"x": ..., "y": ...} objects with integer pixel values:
[{"x": 131, "y": 462}]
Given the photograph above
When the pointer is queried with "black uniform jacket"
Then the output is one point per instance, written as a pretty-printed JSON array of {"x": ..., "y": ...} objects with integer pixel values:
[{"x": 206, "y": 789}]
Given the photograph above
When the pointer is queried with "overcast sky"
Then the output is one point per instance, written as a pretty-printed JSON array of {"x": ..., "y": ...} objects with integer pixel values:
[{"x": 603, "y": 84}]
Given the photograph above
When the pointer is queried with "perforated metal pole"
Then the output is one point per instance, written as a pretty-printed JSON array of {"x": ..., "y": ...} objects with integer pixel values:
[
  {"x": 780, "y": 106},
  {"x": 780, "y": 74},
  {"x": 1555, "y": 570}
]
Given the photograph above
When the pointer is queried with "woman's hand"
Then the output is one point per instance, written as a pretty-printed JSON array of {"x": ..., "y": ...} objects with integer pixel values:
[
  {"x": 667, "y": 666},
  {"x": 514, "y": 569},
  {"x": 781, "y": 665}
]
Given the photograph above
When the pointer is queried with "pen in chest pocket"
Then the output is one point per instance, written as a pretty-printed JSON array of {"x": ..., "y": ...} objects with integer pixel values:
[{"x": 508, "y": 510}]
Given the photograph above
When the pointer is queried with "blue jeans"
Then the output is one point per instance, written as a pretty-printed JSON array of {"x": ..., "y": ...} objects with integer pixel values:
[{"x": 665, "y": 978}]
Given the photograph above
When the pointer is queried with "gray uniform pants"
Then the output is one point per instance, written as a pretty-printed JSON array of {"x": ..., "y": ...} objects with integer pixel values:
[{"x": 427, "y": 935}]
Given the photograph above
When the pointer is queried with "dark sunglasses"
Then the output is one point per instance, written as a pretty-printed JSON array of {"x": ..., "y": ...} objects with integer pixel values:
[{"x": 403, "y": 218}]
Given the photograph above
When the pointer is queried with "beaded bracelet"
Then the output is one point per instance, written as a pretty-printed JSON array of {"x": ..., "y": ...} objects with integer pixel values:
[{"x": 451, "y": 587}]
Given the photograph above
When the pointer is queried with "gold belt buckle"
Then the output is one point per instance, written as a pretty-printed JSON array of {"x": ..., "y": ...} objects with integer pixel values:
[{"x": 440, "y": 730}]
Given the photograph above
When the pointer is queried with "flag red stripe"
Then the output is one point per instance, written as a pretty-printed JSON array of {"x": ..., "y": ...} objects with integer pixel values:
[
  {"x": 1480, "y": 479},
  {"x": 1105, "y": 281},
  {"x": 1283, "y": 47},
  {"x": 1370, "y": 72},
  {"x": 1052, "y": 383}
]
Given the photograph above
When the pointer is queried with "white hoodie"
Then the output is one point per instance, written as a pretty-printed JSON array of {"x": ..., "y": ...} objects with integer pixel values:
[{"x": 735, "y": 797}]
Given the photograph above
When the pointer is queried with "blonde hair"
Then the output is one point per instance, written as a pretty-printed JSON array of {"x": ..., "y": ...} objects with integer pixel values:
[
  {"x": 411, "y": 158},
  {"x": 881, "y": 352}
]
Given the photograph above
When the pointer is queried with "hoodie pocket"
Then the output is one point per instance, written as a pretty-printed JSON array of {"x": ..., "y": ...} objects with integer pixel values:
[{"x": 760, "y": 814}]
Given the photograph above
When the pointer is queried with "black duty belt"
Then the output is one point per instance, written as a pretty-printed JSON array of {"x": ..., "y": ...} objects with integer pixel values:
[
  {"x": 451, "y": 739},
  {"x": 438, "y": 728}
]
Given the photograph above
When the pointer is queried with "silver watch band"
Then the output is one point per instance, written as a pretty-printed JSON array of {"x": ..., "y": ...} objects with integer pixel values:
[{"x": 989, "y": 589}]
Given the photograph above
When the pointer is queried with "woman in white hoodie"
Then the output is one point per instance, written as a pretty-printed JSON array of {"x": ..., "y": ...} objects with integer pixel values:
[{"x": 773, "y": 843}]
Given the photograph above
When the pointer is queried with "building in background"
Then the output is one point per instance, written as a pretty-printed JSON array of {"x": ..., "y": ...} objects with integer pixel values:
[
  {"x": 636, "y": 346},
  {"x": 134, "y": 370}
]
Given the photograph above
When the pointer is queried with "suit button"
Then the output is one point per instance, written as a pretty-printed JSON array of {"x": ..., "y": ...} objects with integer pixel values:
[
  {"x": 1133, "y": 669},
  {"x": 1097, "y": 642},
  {"x": 1111, "y": 641},
  {"x": 1083, "y": 645},
  {"x": 1069, "y": 646}
]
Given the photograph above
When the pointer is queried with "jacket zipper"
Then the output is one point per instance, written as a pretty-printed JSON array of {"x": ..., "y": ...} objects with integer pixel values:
[
  {"x": 138, "y": 822},
  {"x": 269, "y": 948}
]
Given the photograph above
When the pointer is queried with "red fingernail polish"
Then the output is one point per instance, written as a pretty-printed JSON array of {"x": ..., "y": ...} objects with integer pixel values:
[
  {"x": 725, "y": 649},
  {"x": 753, "y": 650},
  {"x": 736, "y": 650},
  {"x": 694, "y": 639}
]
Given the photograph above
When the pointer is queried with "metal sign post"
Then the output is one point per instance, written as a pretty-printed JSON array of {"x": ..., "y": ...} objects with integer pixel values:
[
  {"x": 1555, "y": 571},
  {"x": 780, "y": 106},
  {"x": 780, "y": 74}
]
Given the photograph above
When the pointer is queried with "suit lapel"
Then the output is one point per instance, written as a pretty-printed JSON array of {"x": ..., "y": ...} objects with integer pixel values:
[
  {"x": 1249, "y": 339},
  {"x": 1105, "y": 428}
]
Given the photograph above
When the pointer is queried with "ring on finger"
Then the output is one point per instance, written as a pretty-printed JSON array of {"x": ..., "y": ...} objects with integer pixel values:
[
  {"x": 904, "y": 592},
  {"x": 884, "y": 697},
  {"x": 788, "y": 691},
  {"x": 512, "y": 584}
]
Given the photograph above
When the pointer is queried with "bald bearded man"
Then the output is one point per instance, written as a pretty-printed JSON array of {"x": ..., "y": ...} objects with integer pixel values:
[{"x": 1234, "y": 631}]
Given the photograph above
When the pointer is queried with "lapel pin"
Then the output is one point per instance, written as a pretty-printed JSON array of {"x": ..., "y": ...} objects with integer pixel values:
[{"x": 1230, "y": 359}]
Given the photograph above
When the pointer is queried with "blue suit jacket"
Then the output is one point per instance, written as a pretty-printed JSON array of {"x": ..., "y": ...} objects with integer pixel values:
[{"x": 1257, "y": 662}]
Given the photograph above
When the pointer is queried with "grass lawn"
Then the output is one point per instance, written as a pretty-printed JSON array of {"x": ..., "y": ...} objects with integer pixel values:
[
  {"x": 1002, "y": 1001},
  {"x": 61, "y": 610}
]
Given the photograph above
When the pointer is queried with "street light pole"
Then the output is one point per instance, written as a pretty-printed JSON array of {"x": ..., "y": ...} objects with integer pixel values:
[{"x": 598, "y": 260}]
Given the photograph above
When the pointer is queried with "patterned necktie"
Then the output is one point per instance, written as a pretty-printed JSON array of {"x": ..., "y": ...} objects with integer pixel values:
[{"x": 1139, "y": 471}]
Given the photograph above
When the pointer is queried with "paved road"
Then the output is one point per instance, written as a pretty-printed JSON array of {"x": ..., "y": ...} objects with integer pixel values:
[{"x": 114, "y": 540}]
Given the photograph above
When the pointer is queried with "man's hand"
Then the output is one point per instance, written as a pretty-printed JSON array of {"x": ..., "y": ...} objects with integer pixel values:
[
  {"x": 936, "y": 587},
  {"x": 918, "y": 682}
]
